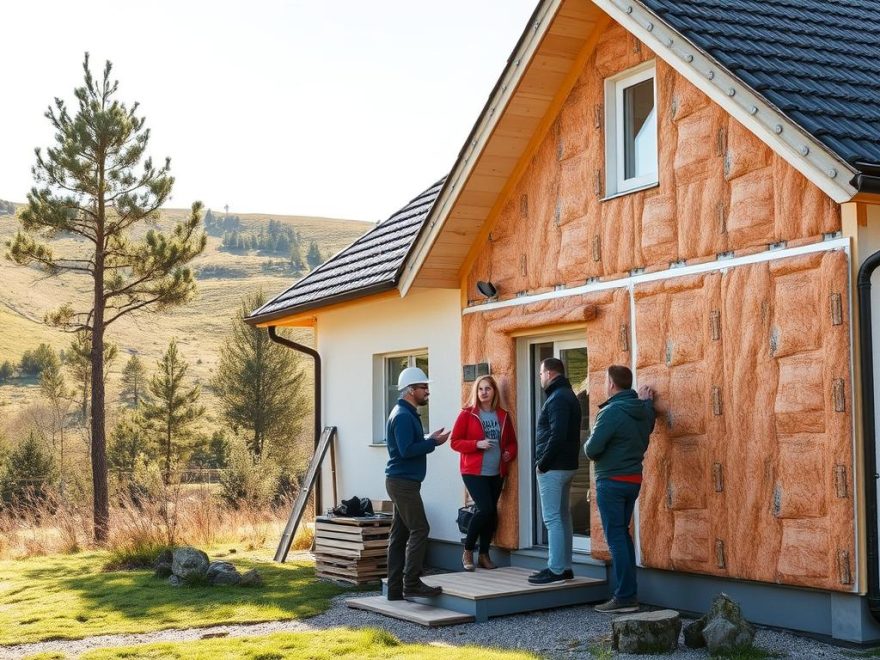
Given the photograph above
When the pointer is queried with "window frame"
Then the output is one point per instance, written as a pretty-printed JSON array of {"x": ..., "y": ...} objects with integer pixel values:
[
  {"x": 382, "y": 402},
  {"x": 616, "y": 183}
]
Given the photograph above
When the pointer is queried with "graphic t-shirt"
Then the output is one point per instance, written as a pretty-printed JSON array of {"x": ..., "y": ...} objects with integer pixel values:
[{"x": 492, "y": 455}]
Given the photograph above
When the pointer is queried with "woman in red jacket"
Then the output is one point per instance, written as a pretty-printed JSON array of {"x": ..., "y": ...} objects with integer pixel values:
[{"x": 483, "y": 434}]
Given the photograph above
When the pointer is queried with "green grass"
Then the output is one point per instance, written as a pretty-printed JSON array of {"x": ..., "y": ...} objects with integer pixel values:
[
  {"x": 69, "y": 597},
  {"x": 318, "y": 645},
  {"x": 751, "y": 653}
]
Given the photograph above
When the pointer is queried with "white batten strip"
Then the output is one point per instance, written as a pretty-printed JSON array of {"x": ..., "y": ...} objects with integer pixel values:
[
  {"x": 800, "y": 149},
  {"x": 680, "y": 271}
]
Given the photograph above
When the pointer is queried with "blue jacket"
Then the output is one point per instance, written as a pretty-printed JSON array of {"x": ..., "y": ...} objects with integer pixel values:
[
  {"x": 407, "y": 445},
  {"x": 620, "y": 435}
]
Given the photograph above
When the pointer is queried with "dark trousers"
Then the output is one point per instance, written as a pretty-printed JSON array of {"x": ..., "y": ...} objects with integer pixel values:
[
  {"x": 485, "y": 492},
  {"x": 408, "y": 540},
  {"x": 616, "y": 501}
]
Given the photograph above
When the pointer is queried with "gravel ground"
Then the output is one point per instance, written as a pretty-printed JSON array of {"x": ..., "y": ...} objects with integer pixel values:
[{"x": 562, "y": 633}]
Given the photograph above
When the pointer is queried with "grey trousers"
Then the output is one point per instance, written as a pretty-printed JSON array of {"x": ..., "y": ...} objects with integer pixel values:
[{"x": 408, "y": 540}]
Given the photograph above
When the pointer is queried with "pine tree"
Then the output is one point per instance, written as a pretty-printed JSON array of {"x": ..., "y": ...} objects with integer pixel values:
[
  {"x": 128, "y": 442},
  {"x": 79, "y": 363},
  {"x": 133, "y": 376},
  {"x": 54, "y": 388},
  {"x": 7, "y": 371},
  {"x": 29, "y": 470},
  {"x": 96, "y": 183},
  {"x": 313, "y": 257},
  {"x": 261, "y": 386},
  {"x": 173, "y": 406}
]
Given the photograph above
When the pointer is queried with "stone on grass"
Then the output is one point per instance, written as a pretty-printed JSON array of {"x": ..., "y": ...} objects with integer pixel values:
[
  {"x": 189, "y": 564},
  {"x": 646, "y": 632},
  {"x": 722, "y": 630},
  {"x": 222, "y": 573},
  {"x": 175, "y": 581},
  {"x": 251, "y": 578},
  {"x": 163, "y": 564}
]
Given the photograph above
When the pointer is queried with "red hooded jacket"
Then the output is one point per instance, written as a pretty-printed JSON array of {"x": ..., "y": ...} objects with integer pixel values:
[{"x": 468, "y": 430}]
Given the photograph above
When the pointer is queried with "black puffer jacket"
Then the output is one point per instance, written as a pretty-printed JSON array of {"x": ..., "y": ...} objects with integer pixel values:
[{"x": 558, "y": 437}]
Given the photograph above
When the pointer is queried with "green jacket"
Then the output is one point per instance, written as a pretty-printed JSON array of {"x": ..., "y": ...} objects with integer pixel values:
[{"x": 620, "y": 435}]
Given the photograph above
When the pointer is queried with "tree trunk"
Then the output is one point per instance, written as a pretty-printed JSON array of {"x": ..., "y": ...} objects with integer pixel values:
[{"x": 101, "y": 504}]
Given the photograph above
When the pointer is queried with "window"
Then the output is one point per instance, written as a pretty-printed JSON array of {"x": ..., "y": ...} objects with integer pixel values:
[
  {"x": 631, "y": 130},
  {"x": 390, "y": 366}
]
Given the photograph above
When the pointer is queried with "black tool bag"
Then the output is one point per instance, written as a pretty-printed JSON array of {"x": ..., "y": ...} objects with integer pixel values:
[
  {"x": 356, "y": 507},
  {"x": 465, "y": 514}
]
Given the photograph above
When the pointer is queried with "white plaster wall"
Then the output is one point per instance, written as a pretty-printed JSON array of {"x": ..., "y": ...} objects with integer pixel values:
[{"x": 348, "y": 340}]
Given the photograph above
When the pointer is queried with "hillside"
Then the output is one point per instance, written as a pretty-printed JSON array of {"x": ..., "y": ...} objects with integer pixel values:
[{"x": 28, "y": 294}]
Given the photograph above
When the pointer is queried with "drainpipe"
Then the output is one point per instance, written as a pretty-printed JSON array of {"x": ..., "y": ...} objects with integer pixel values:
[
  {"x": 869, "y": 431},
  {"x": 274, "y": 336}
]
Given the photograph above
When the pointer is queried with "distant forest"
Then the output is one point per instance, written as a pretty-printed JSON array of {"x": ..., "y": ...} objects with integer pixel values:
[
  {"x": 6, "y": 208},
  {"x": 275, "y": 238}
]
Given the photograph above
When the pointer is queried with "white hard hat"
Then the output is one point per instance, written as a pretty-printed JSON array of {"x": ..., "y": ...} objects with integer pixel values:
[{"x": 411, "y": 376}]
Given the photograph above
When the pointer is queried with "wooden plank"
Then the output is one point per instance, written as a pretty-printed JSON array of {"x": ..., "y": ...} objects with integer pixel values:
[
  {"x": 425, "y": 615},
  {"x": 322, "y": 542},
  {"x": 355, "y": 554},
  {"x": 507, "y": 581},
  {"x": 303, "y": 495},
  {"x": 344, "y": 536},
  {"x": 366, "y": 521}
]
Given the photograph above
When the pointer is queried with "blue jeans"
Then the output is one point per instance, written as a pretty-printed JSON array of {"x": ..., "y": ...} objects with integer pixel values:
[
  {"x": 555, "y": 487},
  {"x": 616, "y": 501}
]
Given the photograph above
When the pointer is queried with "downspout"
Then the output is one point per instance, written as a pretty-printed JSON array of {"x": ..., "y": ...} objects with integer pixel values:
[
  {"x": 869, "y": 431},
  {"x": 274, "y": 336}
]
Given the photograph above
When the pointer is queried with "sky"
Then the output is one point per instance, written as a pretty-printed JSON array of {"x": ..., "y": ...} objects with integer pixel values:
[{"x": 343, "y": 109}]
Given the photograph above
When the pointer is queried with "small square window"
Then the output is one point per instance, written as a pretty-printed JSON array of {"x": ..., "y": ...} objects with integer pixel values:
[
  {"x": 389, "y": 368},
  {"x": 631, "y": 130}
]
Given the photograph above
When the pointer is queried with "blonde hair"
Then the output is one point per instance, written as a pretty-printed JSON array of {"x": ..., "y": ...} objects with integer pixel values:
[{"x": 496, "y": 394}]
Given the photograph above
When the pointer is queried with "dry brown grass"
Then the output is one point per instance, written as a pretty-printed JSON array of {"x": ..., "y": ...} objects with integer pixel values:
[{"x": 178, "y": 516}]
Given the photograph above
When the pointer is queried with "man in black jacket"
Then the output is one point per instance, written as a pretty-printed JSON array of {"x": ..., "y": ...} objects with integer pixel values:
[{"x": 557, "y": 444}]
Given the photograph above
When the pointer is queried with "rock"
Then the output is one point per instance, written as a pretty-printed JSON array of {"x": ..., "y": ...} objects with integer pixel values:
[
  {"x": 175, "y": 581},
  {"x": 222, "y": 573},
  {"x": 693, "y": 634},
  {"x": 646, "y": 632},
  {"x": 722, "y": 630},
  {"x": 189, "y": 564},
  {"x": 251, "y": 578},
  {"x": 162, "y": 564}
]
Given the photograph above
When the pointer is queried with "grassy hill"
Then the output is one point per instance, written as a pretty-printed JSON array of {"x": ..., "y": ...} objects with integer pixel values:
[{"x": 28, "y": 294}]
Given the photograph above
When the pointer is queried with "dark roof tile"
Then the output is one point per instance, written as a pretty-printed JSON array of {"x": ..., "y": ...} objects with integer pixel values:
[
  {"x": 372, "y": 261},
  {"x": 815, "y": 60}
]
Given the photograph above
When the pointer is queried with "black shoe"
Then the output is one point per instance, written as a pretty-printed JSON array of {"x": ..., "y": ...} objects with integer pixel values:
[
  {"x": 546, "y": 577},
  {"x": 421, "y": 590},
  {"x": 394, "y": 595},
  {"x": 568, "y": 574}
]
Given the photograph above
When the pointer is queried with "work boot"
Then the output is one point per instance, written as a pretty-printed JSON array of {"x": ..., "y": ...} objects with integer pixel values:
[
  {"x": 467, "y": 560},
  {"x": 484, "y": 561},
  {"x": 615, "y": 606},
  {"x": 421, "y": 590}
]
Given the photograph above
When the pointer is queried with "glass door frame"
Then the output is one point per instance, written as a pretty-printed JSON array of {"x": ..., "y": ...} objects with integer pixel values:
[{"x": 529, "y": 510}]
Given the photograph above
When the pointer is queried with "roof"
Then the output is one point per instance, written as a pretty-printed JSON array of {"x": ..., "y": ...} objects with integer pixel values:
[
  {"x": 815, "y": 60},
  {"x": 369, "y": 265}
]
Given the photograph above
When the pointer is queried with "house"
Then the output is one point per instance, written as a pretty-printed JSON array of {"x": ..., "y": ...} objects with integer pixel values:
[{"x": 688, "y": 187}]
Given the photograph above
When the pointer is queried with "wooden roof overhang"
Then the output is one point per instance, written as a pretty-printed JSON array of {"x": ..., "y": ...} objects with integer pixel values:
[{"x": 540, "y": 74}]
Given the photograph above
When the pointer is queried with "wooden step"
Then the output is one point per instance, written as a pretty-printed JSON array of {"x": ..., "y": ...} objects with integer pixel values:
[{"x": 425, "y": 615}]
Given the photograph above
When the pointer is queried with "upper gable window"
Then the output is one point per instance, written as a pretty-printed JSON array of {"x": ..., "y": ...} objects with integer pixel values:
[{"x": 631, "y": 130}]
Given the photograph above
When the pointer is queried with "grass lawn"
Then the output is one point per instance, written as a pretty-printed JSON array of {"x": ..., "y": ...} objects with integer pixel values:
[
  {"x": 69, "y": 597},
  {"x": 318, "y": 645}
]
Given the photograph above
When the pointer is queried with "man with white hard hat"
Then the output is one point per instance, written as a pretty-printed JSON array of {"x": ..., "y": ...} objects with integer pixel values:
[{"x": 407, "y": 448}]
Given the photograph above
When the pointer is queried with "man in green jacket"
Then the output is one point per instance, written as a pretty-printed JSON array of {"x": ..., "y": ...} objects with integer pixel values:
[{"x": 617, "y": 445}]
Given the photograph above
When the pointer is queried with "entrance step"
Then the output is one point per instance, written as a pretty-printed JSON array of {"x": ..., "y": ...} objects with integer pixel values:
[
  {"x": 583, "y": 565},
  {"x": 425, "y": 615},
  {"x": 483, "y": 594}
]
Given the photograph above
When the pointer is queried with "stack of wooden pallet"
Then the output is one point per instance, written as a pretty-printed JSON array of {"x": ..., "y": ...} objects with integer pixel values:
[{"x": 352, "y": 550}]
